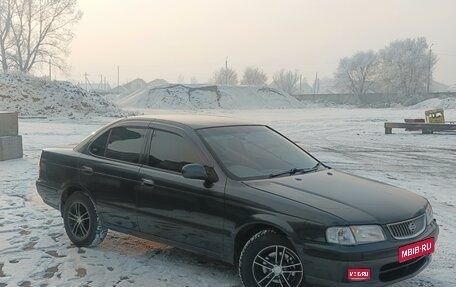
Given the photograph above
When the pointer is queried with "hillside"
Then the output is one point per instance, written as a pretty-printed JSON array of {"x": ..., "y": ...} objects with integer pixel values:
[
  {"x": 208, "y": 97},
  {"x": 31, "y": 96}
]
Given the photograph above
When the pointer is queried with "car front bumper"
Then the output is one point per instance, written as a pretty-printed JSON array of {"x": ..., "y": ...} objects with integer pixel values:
[{"x": 328, "y": 264}]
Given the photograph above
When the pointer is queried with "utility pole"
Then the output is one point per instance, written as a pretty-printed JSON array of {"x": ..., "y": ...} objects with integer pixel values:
[
  {"x": 300, "y": 84},
  {"x": 429, "y": 70},
  {"x": 226, "y": 71},
  {"x": 118, "y": 73},
  {"x": 86, "y": 80}
]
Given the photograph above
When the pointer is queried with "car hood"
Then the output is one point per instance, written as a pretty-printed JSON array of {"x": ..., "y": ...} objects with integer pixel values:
[{"x": 352, "y": 198}]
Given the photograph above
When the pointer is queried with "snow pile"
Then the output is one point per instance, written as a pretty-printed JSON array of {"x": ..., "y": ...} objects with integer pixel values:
[
  {"x": 435, "y": 103},
  {"x": 309, "y": 104},
  {"x": 31, "y": 96},
  {"x": 209, "y": 97},
  {"x": 452, "y": 88},
  {"x": 157, "y": 82}
]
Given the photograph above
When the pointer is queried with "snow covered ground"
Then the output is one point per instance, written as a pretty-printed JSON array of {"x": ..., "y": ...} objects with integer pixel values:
[{"x": 35, "y": 251}]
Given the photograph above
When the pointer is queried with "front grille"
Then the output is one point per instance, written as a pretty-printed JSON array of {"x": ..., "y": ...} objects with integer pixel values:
[
  {"x": 394, "y": 271},
  {"x": 408, "y": 228}
]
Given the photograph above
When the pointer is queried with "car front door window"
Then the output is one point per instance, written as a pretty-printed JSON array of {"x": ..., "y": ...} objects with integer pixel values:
[{"x": 171, "y": 152}]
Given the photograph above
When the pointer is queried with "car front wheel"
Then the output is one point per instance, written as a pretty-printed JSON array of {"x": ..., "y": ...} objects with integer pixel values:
[
  {"x": 82, "y": 223},
  {"x": 268, "y": 260}
]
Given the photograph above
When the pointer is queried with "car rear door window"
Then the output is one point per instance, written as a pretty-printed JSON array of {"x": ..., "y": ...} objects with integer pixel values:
[
  {"x": 170, "y": 151},
  {"x": 126, "y": 144},
  {"x": 98, "y": 146}
]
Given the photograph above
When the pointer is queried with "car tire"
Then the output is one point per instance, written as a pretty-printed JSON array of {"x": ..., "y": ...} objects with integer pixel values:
[
  {"x": 82, "y": 222},
  {"x": 269, "y": 259}
]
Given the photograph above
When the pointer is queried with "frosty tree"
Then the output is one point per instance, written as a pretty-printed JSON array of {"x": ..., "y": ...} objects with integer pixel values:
[
  {"x": 357, "y": 73},
  {"x": 225, "y": 76},
  {"x": 286, "y": 81},
  {"x": 6, "y": 13},
  {"x": 254, "y": 76},
  {"x": 405, "y": 66},
  {"x": 36, "y": 32}
]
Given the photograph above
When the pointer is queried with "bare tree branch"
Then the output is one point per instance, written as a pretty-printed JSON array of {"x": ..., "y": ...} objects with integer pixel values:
[
  {"x": 286, "y": 81},
  {"x": 404, "y": 66},
  {"x": 225, "y": 77},
  {"x": 357, "y": 73},
  {"x": 41, "y": 32},
  {"x": 6, "y": 14},
  {"x": 254, "y": 76}
]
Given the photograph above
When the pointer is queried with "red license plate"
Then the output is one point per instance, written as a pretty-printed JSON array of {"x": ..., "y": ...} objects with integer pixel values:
[
  {"x": 358, "y": 274},
  {"x": 417, "y": 249}
]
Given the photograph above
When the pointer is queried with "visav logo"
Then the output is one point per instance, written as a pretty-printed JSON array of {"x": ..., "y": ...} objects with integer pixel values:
[{"x": 358, "y": 274}]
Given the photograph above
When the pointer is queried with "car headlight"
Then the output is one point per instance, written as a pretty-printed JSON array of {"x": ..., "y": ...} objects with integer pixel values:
[
  {"x": 429, "y": 214},
  {"x": 358, "y": 234},
  {"x": 340, "y": 235}
]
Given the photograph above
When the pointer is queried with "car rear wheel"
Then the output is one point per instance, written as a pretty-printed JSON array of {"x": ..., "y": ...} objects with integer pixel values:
[
  {"x": 268, "y": 260},
  {"x": 82, "y": 223}
]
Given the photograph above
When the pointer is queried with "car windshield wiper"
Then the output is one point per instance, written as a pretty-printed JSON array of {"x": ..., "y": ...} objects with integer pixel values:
[
  {"x": 295, "y": 171},
  {"x": 314, "y": 168}
]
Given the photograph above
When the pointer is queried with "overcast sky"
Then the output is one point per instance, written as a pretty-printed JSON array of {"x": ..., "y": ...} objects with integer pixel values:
[{"x": 167, "y": 38}]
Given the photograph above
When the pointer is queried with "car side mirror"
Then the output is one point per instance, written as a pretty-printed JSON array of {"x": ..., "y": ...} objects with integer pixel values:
[{"x": 195, "y": 171}]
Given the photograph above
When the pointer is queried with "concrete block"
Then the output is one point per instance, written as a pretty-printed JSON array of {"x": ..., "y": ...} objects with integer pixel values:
[
  {"x": 10, "y": 147},
  {"x": 8, "y": 124}
]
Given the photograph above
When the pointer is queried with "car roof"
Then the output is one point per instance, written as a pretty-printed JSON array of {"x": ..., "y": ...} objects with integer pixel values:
[{"x": 193, "y": 121}]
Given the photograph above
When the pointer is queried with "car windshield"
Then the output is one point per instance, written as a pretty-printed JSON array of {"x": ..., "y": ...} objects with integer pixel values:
[{"x": 252, "y": 152}]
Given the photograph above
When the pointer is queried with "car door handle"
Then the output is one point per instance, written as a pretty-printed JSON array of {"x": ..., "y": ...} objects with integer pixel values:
[
  {"x": 148, "y": 182},
  {"x": 86, "y": 170}
]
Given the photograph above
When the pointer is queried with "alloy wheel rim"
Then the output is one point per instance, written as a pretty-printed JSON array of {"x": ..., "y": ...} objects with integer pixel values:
[
  {"x": 79, "y": 220},
  {"x": 276, "y": 266}
]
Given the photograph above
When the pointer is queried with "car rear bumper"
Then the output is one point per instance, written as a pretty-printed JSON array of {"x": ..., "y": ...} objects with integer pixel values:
[
  {"x": 49, "y": 194},
  {"x": 328, "y": 265}
]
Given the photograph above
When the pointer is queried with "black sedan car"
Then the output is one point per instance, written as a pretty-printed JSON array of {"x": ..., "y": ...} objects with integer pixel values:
[{"x": 241, "y": 193}]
